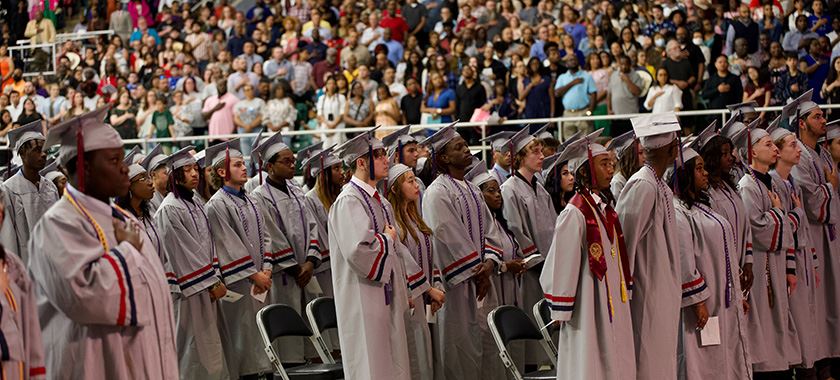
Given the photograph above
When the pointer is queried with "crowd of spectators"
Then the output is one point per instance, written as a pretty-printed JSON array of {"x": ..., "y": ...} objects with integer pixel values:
[{"x": 171, "y": 71}]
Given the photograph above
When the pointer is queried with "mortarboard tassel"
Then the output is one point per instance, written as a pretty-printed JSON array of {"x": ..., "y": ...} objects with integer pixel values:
[
  {"x": 172, "y": 183},
  {"x": 80, "y": 160},
  {"x": 679, "y": 167},
  {"x": 323, "y": 173},
  {"x": 432, "y": 158},
  {"x": 593, "y": 181},
  {"x": 370, "y": 158},
  {"x": 227, "y": 163},
  {"x": 796, "y": 122},
  {"x": 400, "y": 152}
]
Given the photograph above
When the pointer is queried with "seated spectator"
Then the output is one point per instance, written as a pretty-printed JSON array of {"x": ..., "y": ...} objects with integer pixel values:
[{"x": 30, "y": 113}]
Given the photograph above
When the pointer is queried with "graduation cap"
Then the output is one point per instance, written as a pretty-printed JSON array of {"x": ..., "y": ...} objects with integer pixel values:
[
  {"x": 622, "y": 142},
  {"x": 832, "y": 130},
  {"x": 21, "y": 135},
  {"x": 132, "y": 156},
  {"x": 582, "y": 151},
  {"x": 688, "y": 153},
  {"x": 135, "y": 170},
  {"x": 752, "y": 137},
  {"x": 266, "y": 150},
  {"x": 497, "y": 140},
  {"x": 397, "y": 140},
  {"x": 776, "y": 132},
  {"x": 180, "y": 158},
  {"x": 394, "y": 173},
  {"x": 543, "y": 133},
  {"x": 518, "y": 141},
  {"x": 739, "y": 109},
  {"x": 363, "y": 144},
  {"x": 254, "y": 145},
  {"x": 307, "y": 152},
  {"x": 320, "y": 161},
  {"x": 705, "y": 136},
  {"x": 478, "y": 174},
  {"x": 199, "y": 158},
  {"x": 51, "y": 172},
  {"x": 153, "y": 159},
  {"x": 796, "y": 108},
  {"x": 223, "y": 152},
  {"x": 86, "y": 133},
  {"x": 656, "y": 130},
  {"x": 441, "y": 137}
]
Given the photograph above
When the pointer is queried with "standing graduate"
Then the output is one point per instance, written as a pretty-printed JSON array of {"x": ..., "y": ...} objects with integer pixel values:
[
  {"x": 774, "y": 270},
  {"x": 205, "y": 189},
  {"x": 529, "y": 211},
  {"x": 402, "y": 148},
  {"x": 55, "y": 175},
  {"x": 630, "y": 159},
  {"x": 742, "y": 114},
  {"x": 646, "y": 211},
  {"x": 708, "y": 254},
  {"x": 804, "y": 297},
  {"x": 241, "y": 241},
  {"x": 501, "y": 160},
  {"x": 136, "y": 202},
  {"x": 103, "y": 297},
  {"x": 295, "y": 250},
  {"x": 586, "y": 278},
  {"x": 20, "y": 330},
  {"x": 371, "y": 292},
  {"x": 460, "y": 223},
  {"x": 720, "y": 158},
  {"x": 559, "y": 181},
  {"x": 506, "y": 286},
  {"x": 28, "y": 195},
  {"x": 195, "y": 275},
  {"x": 302, "y": 156},
  {"x": 425, "y": 284},
  {"x": 158, "y": 172},
  {"x": 819, "y": 182}
]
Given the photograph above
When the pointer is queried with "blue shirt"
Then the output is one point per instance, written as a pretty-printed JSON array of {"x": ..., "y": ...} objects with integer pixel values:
[
  {"x": 137, "y": 35},
  {"x": 577, "y": 31},
  {"x": 577, "y": 97},
  {"x": 537, "y": 50},
  {"x": 822, "y": 30},
  {"x": 442, "y": 101}
]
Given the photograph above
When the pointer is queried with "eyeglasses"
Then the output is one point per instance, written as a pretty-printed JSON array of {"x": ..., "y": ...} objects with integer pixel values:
[{"x": 142, "y": 178}]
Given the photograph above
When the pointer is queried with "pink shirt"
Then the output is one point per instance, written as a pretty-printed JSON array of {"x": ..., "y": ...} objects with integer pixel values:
[{"x": 221, "y": 122}]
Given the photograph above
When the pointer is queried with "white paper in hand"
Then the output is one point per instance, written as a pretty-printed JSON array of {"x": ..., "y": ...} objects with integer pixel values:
[
  {"x": 231, "y": 296},
  {"x": 710, "y": 334},
  {"x": 430, "y": 317},
  {"x": 259, "y": 297},
  {"x": 314, "y": 287}
]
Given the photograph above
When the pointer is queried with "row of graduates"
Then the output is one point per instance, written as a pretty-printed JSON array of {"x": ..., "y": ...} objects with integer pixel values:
[
  {"x": 737, "y": 224},
  {"x": 473, "y": 239}
]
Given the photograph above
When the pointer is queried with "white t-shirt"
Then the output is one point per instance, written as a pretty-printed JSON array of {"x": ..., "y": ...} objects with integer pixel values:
[{"x": 670, "y": 99}]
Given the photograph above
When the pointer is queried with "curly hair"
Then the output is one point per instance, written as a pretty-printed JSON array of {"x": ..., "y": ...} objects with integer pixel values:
[
  {"x": 689, "y": 193},
  {"x": 712, "y": 153}
]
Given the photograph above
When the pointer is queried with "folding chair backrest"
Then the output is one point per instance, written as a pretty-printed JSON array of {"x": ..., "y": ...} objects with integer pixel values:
[
  {"x": 545, "y": 312},
  {"x": 281, "y": 320},
  {"x": 513, "y": 324},
  {"x": 323, "y": 311},
  {"x": 542, "y": 314}
]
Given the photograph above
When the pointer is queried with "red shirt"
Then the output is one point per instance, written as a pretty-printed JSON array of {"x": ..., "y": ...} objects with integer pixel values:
[{"x": 397, "y": 25}]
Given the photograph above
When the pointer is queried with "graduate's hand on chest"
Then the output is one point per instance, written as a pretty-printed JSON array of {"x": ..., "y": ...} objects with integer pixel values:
[{"x": 129, "y": 233}]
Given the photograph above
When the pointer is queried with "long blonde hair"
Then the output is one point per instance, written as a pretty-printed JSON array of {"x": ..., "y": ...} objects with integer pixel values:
[{"x": 406, "y": 210}]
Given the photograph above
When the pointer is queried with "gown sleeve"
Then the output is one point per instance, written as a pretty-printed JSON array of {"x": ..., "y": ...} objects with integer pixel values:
[
  {"x": 517, "y": 217},
  {"x": 370, "y": 254},
  {"x": 34, "y": 348},
  {"x": 279, "y": 253},
  {"x": 236, "y": 263},
  {"x": 634, "y": 209},
  {"x": 190, "y": 272},
  {"x": 561, "y": 271},
  {"x": 817, "y": 195},
  {"x": 455, "y": 253},
  {"x": 87, "y": 284},
  {"x": 694, "y": 289}
]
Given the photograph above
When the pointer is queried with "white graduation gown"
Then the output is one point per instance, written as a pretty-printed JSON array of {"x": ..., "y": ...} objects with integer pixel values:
[
  {"x": 240, "y": 239},
  {"x": 592, "y": 343},
  {"x": 192, "y": 268},
  {"x": 802, "y": 300},
  {"x": 822, "y": 207},
  {"x": 294, "y": 238},
  {"x": 530, "y": 215},
  {"x": 155, "y": 202},
  {"x": 708, "y": 246},
  {"x": 646, "y": 212},
  {"x": 460, "y": 223},
  {"x": 105, "y": 314},
  {"x": 23, "y": 351},
  {"x": 371, "y": 296},
  {"x": 322, "y": 272},
  {"x": 617, "y": 184},
  {"x": 772, "y": 231},
  {"x": 25, "y": 204}
]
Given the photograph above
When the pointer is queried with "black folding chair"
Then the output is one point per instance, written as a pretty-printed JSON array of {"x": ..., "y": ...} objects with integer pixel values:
[
  {"x": 275, "y": 321},
  {"x": 321, "y": 315},
  {"x": 507, "y": 324},
  {"x": 542, "y": 314}
]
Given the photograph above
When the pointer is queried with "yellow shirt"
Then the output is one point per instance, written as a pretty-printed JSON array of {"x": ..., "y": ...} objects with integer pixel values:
[{"x": 40, "y": 32}]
